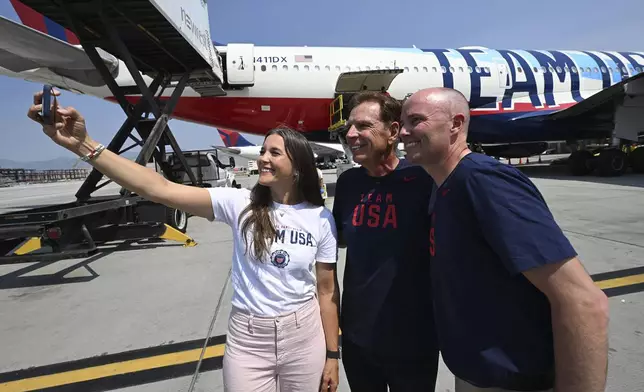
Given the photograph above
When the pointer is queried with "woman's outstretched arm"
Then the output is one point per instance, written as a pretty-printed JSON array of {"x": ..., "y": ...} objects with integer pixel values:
[{"x": 68, "y": 130}]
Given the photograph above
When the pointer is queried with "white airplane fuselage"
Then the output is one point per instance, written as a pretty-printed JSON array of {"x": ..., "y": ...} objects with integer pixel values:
[{"x": 294, "y": 86}]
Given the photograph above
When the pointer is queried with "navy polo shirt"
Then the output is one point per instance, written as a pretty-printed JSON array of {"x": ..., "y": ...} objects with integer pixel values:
[
  {"x": 490, "y": 224},
  {"x": 386, "y": 299}
]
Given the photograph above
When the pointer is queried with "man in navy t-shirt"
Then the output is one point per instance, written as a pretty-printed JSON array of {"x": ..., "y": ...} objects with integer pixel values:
[
  {"x": 380, "y": 208},
  {"x": 514, "y": 307}
]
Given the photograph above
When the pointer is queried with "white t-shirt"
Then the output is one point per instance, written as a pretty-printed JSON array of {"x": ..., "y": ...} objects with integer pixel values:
[{"x": 280, "y": 284}]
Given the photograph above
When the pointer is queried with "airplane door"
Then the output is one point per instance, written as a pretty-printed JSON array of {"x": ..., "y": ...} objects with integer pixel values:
[
  {"x": 240, "y": 65},
  {"x": 505, "y": 79}
]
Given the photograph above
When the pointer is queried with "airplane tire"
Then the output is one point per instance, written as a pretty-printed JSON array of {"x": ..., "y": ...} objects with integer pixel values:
[
  {"x": 580, "y": 162},
  {"x": 611, "y": 163},
  {"x": 177, "y": 219},
  {"x": 637, "y": 160}
]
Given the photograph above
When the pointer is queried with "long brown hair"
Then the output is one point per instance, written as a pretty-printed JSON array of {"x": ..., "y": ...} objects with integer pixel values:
[{"x": 306, "y": 186}]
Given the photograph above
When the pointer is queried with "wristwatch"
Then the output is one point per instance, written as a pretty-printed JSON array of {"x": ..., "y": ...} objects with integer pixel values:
[{"x": 333, "y": 354}]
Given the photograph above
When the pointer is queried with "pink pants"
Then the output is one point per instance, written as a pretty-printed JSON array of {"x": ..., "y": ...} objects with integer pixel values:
[{"x": 262, "y": 352}]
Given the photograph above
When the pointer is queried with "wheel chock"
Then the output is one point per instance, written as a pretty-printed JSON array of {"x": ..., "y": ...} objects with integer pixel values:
[{"x": 170, "y": 233}]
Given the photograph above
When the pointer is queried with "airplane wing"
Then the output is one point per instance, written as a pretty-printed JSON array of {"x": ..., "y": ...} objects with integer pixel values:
[
  {"x": 599, "y": 112},
  {"x": 326, "y": 148},
  {"x": 228, "y": 150},
  {"x": 24, "y": 49}
]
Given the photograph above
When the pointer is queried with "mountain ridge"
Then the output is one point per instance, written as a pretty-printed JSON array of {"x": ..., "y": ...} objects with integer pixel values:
[{"x": 60, "y": 163}]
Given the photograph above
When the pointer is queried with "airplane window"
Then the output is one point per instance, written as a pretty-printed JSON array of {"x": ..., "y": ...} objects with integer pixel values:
[
  {"x": 638, "y": 69},
  {"x": 603, "y": 69},
  {"x": 460, "y": 69},
  {"x": 443, "y": 69},
  {"x": 477, "y": 69},
  {"x": 415, "y": 69},
  {"x": 424, "y": 69},
  {"x": 595, "y": 70},
  {"x": 296, "y": 67},
  {"x": 469, "y": 69},
  {"x": 337, "y": 67},
  {"x": 434, "y": 69},
  {"x": 274, "y": 67},
  {"x": 377, "y": 67},
  {"x": 588, "y": 69},
  {"x": 263, "y": 68},
  {"x": 317, "y": 67},
  {"x": 327, "y": 68},
  {"x": 487, "y": 70},
  {"x": 367, "y": 68},
  {"x": 306, "y": 67},
  {"x": 347, "y": 68},
  {"x": 285, "y": 67},
  {"x": 624, "y": 69},
  {"x": 544, "y": 69},
  {"x": 406, "y": 69},
  {"x": 520, "y": 69},
  {"x": 574, "y": 69},
  {"x": 535, "y": 69},
  {"x": 451, "y": 69},
  {"x": 558, "y": 69}
]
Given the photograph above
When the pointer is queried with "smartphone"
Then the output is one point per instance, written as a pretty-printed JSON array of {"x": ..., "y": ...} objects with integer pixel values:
[{"x": 46, "y": 105}]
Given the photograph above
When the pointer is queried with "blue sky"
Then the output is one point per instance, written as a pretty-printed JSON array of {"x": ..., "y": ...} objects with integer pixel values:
[{"x": 546, "y": 24}]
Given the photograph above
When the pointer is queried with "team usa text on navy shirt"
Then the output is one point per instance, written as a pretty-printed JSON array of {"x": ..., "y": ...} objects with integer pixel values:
[
  {"x": 489, "y": 224},
  {"x": 386, "y": 301}
]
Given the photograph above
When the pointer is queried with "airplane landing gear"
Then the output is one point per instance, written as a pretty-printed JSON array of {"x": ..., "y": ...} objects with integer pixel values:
[
  {"x": 607, "y": 162},
  {"x": 580, "y": 163},
  {"x": 611, "y": 162}
]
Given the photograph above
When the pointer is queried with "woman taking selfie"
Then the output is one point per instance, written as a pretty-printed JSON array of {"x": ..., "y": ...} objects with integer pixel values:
[{"x": 283, "y": 327}]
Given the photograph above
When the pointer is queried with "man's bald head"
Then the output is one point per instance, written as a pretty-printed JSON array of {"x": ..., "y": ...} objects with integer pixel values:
[
  {"x": 434, "y": 123},
  {"x": 450, "y": 101}
]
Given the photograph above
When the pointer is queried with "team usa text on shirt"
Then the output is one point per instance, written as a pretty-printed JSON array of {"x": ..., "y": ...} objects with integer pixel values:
[{"x": 375, "y": 210}]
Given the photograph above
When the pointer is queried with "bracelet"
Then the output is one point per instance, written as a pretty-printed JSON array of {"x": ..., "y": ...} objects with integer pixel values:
[
  {"x": 93, "y": 154},
  {"x": 332, "y": 354}
]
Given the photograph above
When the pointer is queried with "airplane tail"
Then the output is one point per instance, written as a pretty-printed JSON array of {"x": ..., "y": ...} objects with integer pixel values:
[
  {"x": 37, "y": 21},
  {"x": 233, "y": 139}
]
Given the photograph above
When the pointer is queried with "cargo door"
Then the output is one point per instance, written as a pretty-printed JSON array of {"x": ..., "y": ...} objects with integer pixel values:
[{"x": 354, "y": 82}]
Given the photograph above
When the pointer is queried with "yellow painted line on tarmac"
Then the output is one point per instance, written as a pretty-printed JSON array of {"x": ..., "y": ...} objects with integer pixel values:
[
  {"x": 112, "y": 369},
  {"x": 187, "y": 356},
  {"x": 620, "y": 282}
]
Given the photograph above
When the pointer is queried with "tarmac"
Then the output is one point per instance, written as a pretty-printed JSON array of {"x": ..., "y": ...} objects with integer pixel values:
[{"x": 134, "y": 316}]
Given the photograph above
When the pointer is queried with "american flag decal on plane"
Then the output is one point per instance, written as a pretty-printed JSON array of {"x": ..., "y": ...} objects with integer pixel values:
[{"x": 303, "y": 58}]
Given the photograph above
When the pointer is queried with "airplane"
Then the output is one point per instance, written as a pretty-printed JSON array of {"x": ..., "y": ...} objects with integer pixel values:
[
  {"x": 519, "y": 99},
  {"x": 236, "y": 144}
]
